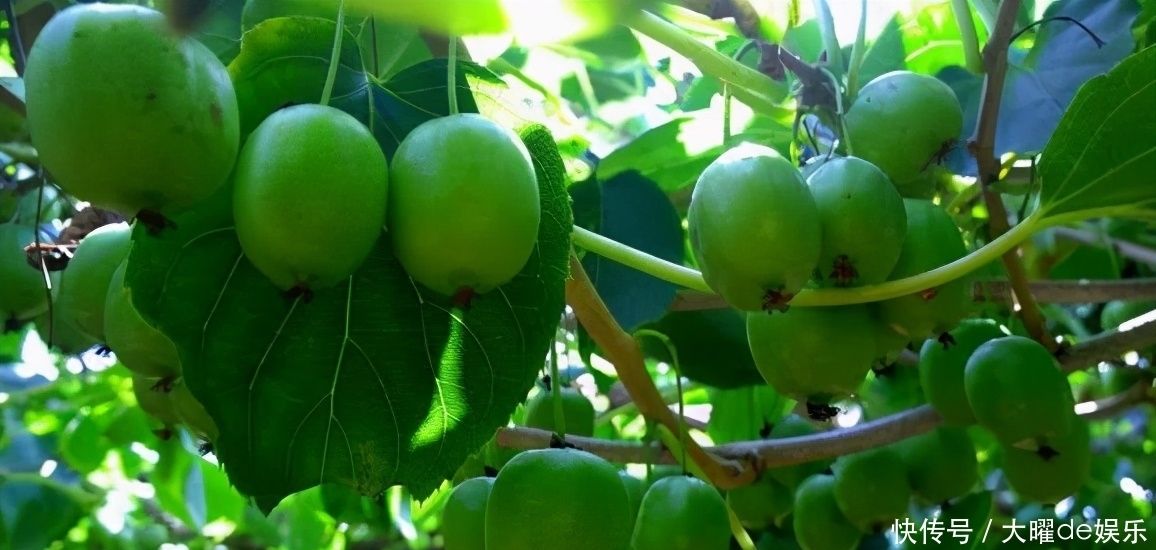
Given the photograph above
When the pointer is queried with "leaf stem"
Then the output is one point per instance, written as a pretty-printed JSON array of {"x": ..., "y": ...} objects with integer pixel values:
[
  {"x": 961, "y": 10},
  {"x": 746, "y": 84},
  {"x": 826, "y": 22},
  {"x": 678, "y": 385},
  {"x": 335, "y": 55},
  {"x": 556, "y": 391},
  {"x": 858, "y": 51},
  {"x": 452, "y": 75},
  {"x": 692, "y": 279}
]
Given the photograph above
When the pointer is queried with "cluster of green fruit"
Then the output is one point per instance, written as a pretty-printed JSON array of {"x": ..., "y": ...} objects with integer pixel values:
[
  {"x": 577, "y": 500},
  {"x": 832, "y": 504},
  {"x": 1009, "y": 386},
  {"x": 157, "y": 132},
  {"x": 762, "y": 230}
]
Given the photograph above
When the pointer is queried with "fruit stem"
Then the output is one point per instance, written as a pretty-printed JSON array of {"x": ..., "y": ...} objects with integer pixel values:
[
  {"x": 962, "y": 13},
  {"x": 858, "y": 51},
  {"x": 625, "y": 354},
  {"x": 452, "y": 75},
  {"x": 556, "y": 391},
  {"x": 689, "y": 278},
  {"x": 740, "y": 534},
  {"x": 614, "y": 250},
  {"x": 335, "y": 55},
  {"x": 678, "y": 384},
  {"x": 746, "y": 84}
]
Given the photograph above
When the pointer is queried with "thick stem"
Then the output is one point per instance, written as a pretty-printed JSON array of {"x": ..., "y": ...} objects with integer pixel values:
[
  {"x": 692, "y": 279},
  {"x": 971, "y": 54},
  {"x": 1078, "y": 291},
  {"x": 334, "y": 56},
  {"x": 756, "y": 456},
  {"x": 983, "y": 146},
  {"x": 746, "y": 84},
  {"x": 623, "y": 352}
]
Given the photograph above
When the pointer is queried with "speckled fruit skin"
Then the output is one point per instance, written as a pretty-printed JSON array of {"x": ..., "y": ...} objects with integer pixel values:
[
  {"x": 754, "y": 226},
  {"x": 818, "y": 522},
  {"x": 813, "y": 353},
  {"x": 1051, "y": 480},
  {"x": 310, "y": 196},
  {"x": 864, "y": 222},
  {"x": 933, "y": 241},
  {"x": 563, "y": 499},
  {"x": 682, "y": 513},
  {"x": 464, "y": 515},
  {"x": 1017, "y": 390},
  {"x": 83, "y": 290},
  {"x": 941, "y": 370},
  {"x": 464, "y": 204},
  {"x": 901, "y": 120},
  {"x": 125, "y": 114},
  {"x": 22, "y": 294}
]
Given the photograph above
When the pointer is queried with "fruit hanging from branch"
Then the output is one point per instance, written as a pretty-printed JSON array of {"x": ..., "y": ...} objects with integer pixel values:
[
  {"x": 310, "y": 196},
  {"x": 754, "y": 228},
  {"x": 154, "y": 131},
  {"x": 464, "y": 207}
]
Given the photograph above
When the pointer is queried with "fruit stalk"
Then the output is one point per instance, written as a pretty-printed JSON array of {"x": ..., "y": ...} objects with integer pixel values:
[
  {"x": 556, "y": 391},
  {"x": 452, "y": 75},
  {"x": 692, "y": 279},
  {"x": 962, "y": 12},
  {"x": 745, "y": 84},
  {"x": 335, "y": 56},
  {"x": 675, "y": 444},
  {"x": 623, "y": 352},
  {"x": 989, "y": 167}
]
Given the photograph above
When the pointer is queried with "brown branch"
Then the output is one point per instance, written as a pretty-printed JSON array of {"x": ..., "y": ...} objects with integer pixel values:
[
  {"x": 1111, "y": 407},
  {"x": 1129, "y": 250},
  {"x": 1107, "y": 346},
  {"x": 623, "y": 351},
  {"x": 999, "y": 291},
  {"x": 756, "y": 456},
  {"x": 982, "y": 146}
]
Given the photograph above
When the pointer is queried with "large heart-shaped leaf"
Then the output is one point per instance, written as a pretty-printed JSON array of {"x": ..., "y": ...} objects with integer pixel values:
[
  {"x": 375, "y": 382},
  {"x": 1103, "y": 154}
]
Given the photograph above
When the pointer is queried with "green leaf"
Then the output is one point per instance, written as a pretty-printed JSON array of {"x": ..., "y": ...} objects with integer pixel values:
[
  {"x": 1103, "y": 154},
  {"x": 675, "y": 153},
  {"x": 931, "y": 38},
  {"x": 1041, "y": 82},
  {"x": 285, "y": 60},
  {"x": 390, "y": 47},
  {"x": 373, "y": 383}
]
